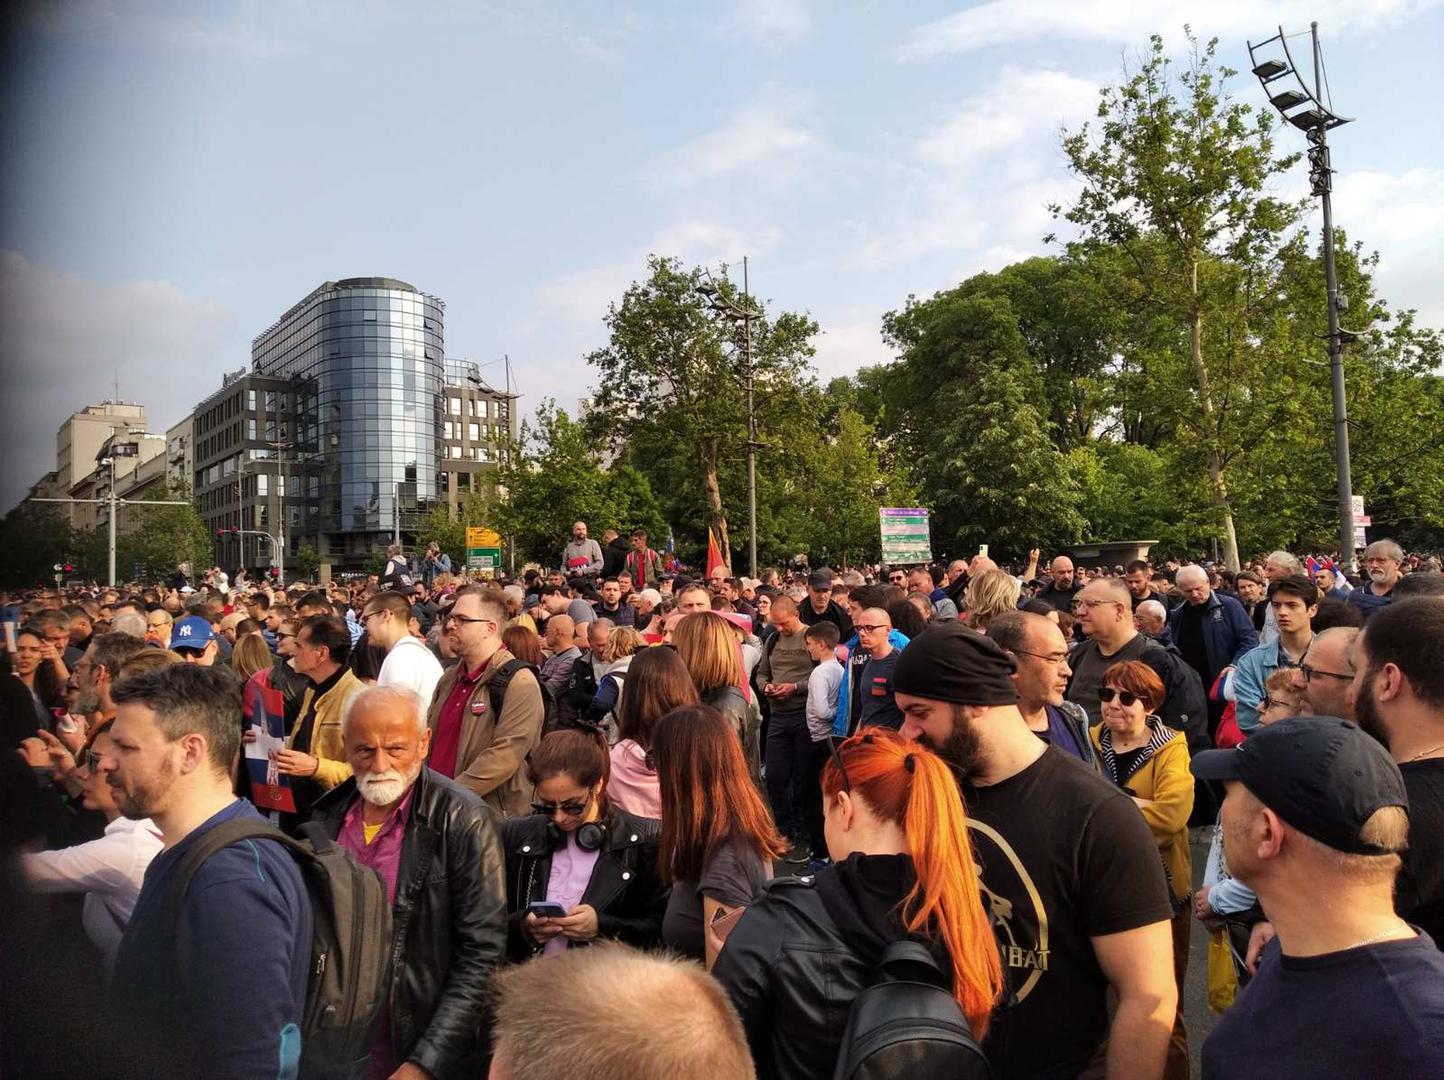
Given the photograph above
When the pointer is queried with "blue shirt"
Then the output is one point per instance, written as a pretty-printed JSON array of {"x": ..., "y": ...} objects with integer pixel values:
[
  {"x": 1375, "y": 1011},
  {"x": 1366, "y": 600},
  {"x": 1063, "y": 733},
  {"x": 234, "y": 980}
]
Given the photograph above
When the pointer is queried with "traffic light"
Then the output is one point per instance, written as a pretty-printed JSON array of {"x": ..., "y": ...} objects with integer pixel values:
[
  {"x": 275, "y": 571},
  {"x": 220, "y": 534},
  {"x": 69, "y": 569}
]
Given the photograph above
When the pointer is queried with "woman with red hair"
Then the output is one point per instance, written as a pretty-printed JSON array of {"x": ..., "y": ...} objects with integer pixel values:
[{"x": 902, "y": 868}]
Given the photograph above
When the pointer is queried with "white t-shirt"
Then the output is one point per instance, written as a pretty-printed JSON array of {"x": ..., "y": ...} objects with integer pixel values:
[
  {"x": 110, "y": 871},
  {"x": 412, "y": 665},
  {"x": 822, "y": 690}
]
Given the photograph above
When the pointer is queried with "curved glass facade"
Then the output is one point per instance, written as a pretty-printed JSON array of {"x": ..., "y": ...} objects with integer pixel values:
[{"x": 367, "y": 357}]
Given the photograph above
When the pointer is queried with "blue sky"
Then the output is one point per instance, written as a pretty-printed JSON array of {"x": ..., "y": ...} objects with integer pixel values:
[{"x": 177, "y": 174}]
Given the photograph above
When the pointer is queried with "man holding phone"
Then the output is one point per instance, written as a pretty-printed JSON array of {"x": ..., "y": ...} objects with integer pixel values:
[{"x": 783, "y": 671}]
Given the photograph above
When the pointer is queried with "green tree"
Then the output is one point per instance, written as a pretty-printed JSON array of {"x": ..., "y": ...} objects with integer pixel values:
[
  {"x": 1176, "y": 180},
  {"x": 555, "y": 476},
  {"x": 159, "y": 537},
  {"x": 308, "y": 562},
  {"x": 670, "y": 389},
  {"x": 34, "y": 537}
]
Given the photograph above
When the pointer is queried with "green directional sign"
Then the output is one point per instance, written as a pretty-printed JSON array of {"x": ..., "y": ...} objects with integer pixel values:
[
  {"x": 483, "y": 558},
  {"x": 905, "y": 535}
]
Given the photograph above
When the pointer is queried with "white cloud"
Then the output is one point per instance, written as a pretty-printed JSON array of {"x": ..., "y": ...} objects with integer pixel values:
[
  {"x": 981, "y": 177},
  {"x": 773, "y": 23},
  {"x": 62, "y": 337},
  {"x": 764, "y": 140},
  {"x": 1000, "y": 22},
  {"x": 1402, "y": 217},
  {"x": 844, "y": 347}
]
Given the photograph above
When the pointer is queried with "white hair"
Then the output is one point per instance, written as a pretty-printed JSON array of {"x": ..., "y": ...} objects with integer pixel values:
[
  {"x": 1384, "y": 549},
  {"x": 403, "y": 697},
  {"x": 129, "y": 622},
  {"x": 1153, "y": 608},
  {"x": 1286, "y": 560},
  {"x": 652, "y": 596},
  {"x": 1191, "y": 572}
]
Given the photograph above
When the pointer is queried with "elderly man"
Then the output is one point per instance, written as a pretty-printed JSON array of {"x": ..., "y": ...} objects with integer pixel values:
[
  {"x": 1210, "y": 629},
  {"x": 1151, "y": 618},
  {"x": 435, "y": 846},
  {"x": 1063, "y": 586},
  {"x": 1382, "y": 562},
  {"x": 920, "y": 583},
  {"x": 488, "y": 710},
  {"x": 1315, "y": 821}
]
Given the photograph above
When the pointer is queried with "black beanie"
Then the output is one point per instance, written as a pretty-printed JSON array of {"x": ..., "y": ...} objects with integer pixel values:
[{"x": 949, "y": 662}]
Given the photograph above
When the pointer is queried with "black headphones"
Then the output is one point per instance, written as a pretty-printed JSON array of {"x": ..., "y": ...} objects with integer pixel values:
[{"x": 590, "y": 835}]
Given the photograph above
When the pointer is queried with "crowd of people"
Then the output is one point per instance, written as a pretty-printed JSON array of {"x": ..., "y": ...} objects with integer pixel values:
[{"x": 610, "y": 820}]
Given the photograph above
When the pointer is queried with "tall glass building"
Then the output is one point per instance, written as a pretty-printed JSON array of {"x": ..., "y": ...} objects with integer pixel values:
[{"x": 366, "y": 358}]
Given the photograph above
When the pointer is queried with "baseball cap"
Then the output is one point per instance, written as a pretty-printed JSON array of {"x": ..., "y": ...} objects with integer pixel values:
[
  {"x": 1322, "y": 775},
  {"x": 819, "y": 579},
  {"x": 192, "y": 632}
]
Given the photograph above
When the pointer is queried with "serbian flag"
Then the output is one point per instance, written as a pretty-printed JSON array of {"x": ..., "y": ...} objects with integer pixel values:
[
  {"x": 265, "y": 715},
  {"x": 714, "y": 553},
  {"x": 1314, "y": 566}
]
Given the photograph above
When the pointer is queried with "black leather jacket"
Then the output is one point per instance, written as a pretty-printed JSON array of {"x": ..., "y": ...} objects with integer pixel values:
[
  {"x": 793, "y": 976},
  {"x": 449, "y": 928},
  {"x": 628, "y": 896}
]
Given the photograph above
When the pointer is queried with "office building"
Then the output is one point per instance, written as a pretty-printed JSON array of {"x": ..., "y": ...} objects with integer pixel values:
[
  {"x": 478, "y": 424},
  {"x": 77, "y": 443}
]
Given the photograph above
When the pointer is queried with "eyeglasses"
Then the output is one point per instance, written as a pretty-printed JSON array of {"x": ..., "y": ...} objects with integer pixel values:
[
  {"x": 1127, "y": 699},
  {"x": 863, "y": 628},
  {"x": 282, "y": 636},
  {"x": 464, "y": 619},
  {"x": 1089, "y": 605},
  {"x": 899, "y": 578},
  {"x": 371, "y": 615},
  {"x": 1310, "y": 672},
  {"x": 569, "y": 807},
  {"x": 1052, "y": 658}
]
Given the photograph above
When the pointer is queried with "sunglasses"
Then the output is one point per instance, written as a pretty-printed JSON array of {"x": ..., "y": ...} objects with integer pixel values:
[
  {"x": 571, "y": 808},
  {"x": 898, "y": 578},
  {"x": 1127, "y": 699}
]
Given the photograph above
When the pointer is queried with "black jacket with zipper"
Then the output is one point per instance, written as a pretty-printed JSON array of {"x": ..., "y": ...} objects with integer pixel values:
[
  {"x": 449, "y": 924},
  {"x": 624, "y": 890}
]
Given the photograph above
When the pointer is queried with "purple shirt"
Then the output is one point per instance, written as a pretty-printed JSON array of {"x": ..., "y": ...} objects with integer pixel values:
[
  {"x": 383, "y": 855},
  {"x": 571, "y": 870}
]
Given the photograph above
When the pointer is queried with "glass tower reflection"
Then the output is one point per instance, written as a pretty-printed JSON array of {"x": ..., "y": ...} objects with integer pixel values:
[{"x": 367, "y": 357}]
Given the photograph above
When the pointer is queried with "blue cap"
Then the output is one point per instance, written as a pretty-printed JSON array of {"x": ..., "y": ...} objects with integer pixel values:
[{"x": 192, "y": 632}]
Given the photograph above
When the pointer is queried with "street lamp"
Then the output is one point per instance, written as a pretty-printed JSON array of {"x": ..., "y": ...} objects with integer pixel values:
[
  {"x": 725, "y": 307},
  {"x": 1304, "y": 107}
]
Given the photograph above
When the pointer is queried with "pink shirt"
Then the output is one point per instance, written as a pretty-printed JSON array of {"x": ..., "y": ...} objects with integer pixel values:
[
  {"x": 383, "y": 854},
  {"x": 632, "y": 786},
  {"x": 571, "y": 870}
]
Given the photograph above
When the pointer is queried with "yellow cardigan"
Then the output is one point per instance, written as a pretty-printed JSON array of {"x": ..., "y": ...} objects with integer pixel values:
[
  {"x": 328, "y": 746},
  {"x": 1166, "y": 783}
]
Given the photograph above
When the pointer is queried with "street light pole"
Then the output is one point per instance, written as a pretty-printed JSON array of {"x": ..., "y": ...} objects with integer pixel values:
[
  {"x": 110, "y": 581},
  {"x": 1305, "y": 109},
  {"x": 751, "y": 430}
]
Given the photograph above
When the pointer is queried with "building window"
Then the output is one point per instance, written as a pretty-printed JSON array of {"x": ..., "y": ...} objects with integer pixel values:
[
  {"x": 455, "y": 406},
  {"x": 262, "y": 484},
  {"x": 473, "y": 432},
  {"x": 446, "y": 430},
  {"x": 251, "y": 428},
  {"x": 455, "y": 451},
  {"x": 251, "y": 400}
]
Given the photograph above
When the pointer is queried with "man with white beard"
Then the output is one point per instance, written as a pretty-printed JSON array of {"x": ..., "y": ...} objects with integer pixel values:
[{"x": 435, "y": 846}]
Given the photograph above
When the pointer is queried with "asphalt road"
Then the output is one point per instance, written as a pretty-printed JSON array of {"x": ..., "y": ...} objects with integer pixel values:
[{"x": 1198, "y": 1018}]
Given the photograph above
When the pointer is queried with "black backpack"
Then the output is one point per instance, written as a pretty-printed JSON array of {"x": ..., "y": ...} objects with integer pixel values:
[
  {"x": 350, "y": 942},
  {"x": 907, "y": 1023},
  {"x": 1185, "y": 703},
  {"x": 502, "y": 679}
]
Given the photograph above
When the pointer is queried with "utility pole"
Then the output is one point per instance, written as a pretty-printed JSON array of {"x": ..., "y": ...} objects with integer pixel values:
[{"x": 747, "y": 316}]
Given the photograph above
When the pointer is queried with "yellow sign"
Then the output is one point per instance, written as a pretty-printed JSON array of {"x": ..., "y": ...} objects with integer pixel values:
[{"x": 478, "y": 537}]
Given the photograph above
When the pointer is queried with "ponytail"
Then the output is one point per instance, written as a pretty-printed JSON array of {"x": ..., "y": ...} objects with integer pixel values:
[
  {"x": 945, "y": 899},
  {"x": 909, "y": 785}
]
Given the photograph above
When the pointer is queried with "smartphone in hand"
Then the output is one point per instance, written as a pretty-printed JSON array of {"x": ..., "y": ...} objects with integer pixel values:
[{"x": 546, "y": 909}]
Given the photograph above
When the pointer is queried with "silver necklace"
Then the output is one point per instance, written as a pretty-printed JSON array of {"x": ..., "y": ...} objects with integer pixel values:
[
  {"x": 1377, "y": 937},
  {"x": 1423, "y": 754}
]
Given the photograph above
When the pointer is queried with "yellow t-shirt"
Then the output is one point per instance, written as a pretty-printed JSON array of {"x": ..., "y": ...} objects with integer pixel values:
[{"x": 369, "y": 832}]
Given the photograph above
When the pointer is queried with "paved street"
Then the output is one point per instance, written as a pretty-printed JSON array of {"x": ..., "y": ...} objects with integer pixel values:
[{"x": 1196, "y": 1014}]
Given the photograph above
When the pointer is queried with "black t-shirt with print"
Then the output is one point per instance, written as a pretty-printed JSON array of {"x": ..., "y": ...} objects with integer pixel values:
[{"x": 1064, "y": 857}]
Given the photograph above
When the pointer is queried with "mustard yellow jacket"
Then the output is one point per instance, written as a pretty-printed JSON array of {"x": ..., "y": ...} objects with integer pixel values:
[
  {"x": 1165, "y": 783},
  {"x": 328, "y": 746}
]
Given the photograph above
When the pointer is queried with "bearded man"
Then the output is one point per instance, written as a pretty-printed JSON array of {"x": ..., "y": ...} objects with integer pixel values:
[{"x": 435, "y": 845}]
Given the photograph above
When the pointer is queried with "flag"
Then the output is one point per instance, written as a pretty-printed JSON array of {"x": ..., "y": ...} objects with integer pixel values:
[
  {"x": 1314, "y": 566},
  {"x": 714, "y": 553}
]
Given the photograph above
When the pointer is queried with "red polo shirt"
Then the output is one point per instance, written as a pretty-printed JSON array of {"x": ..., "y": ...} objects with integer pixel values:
[{"x": 447, "y": 741}]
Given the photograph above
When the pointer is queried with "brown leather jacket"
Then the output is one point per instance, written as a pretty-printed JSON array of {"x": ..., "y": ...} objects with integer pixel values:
[{"x": 491, "y": 754}]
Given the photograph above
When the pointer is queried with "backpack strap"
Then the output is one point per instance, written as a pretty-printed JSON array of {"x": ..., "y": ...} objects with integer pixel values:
[
  {"x": 907, "y": 960},
  {"x": 496, "y": 689},
  {"x": 214, "y": 840}
]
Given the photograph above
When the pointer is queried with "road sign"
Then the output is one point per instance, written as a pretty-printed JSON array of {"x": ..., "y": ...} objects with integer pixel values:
[
  {"x": 905, "y": 535},
  {"x": 480, "y": 537},
  {"x": 486, "y": 558},
  {"x": 1360, "y": 520}
]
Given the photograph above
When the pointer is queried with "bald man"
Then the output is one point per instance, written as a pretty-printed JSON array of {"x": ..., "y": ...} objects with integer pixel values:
[
  {"x": 871, "y": 700},
  {"x": 1063, "y": 586}
]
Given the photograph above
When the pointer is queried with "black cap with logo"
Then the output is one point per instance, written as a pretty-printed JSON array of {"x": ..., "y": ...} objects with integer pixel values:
[{"x": 1322, "y": 775}]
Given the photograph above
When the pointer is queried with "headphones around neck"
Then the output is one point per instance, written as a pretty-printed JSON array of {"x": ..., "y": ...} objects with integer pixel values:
[{"x": 590, "y": 836}]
